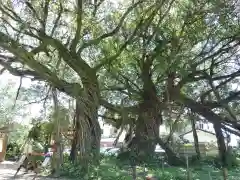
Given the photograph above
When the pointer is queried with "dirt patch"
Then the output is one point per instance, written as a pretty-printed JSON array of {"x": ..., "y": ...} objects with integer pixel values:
[{"x": 8, "y": 169}]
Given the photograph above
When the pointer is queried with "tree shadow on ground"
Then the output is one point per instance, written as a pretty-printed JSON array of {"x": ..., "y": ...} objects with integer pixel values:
[{"x": 8, "y": 169}]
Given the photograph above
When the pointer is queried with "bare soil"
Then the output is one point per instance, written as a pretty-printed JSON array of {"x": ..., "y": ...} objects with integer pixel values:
[{"x": 8, "y": 169}]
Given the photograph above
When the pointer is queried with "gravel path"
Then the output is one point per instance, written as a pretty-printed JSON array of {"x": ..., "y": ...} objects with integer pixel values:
[{"x": 8, "y": 169}]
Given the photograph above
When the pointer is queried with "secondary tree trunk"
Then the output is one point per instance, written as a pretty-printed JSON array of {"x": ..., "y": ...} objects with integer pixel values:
[
  {"x": 172, "y": 158},
  {"x": 73, "y": 153},
  {"x": 75, "y": 142},
  {"x": 195, "y": 136},
  {"x": 56, "y": 163},
  {"x": 221, "y": 147}
]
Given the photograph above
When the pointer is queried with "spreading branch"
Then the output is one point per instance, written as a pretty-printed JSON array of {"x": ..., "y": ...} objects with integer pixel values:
[
  {"x": 204, "y": 111},
  {"x": 18, "y": 92},
  {"x": 110, "y": 59},
  {"x": 113, "y": 32},
  {"x": 42, "y": 73},
  {"x": 119, "y": 108}
]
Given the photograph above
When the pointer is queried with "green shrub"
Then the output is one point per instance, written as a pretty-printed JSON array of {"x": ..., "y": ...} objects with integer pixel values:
[
  {"x": 71, "y": 170},
  {"x": 107, "y": 170},
  {"x": 232, "y": 161},
  {"x": 13, "y": 151},
  {"x": 111, "y": 168}
]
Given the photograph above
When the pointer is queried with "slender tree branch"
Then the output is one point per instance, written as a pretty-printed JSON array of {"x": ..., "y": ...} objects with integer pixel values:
[
  {"x": 18, "y": 92},
  {"x": 57, "y": 19},
  {"x": 119, "y": 108},
  {"x": 37, "y": 101},
  {"x": 68, "y": 88},
  {"x": 110, "y": 59},
  {"x": 45, "y": 14},
  {"x": 79, "y": 25},
  {"x": 114, "y": 31}
]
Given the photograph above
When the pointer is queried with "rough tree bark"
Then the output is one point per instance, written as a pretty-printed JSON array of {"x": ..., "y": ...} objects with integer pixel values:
[
  {"x": 70, "y": 51},
  {"x": 56, "y": 163},
  {"x": 195, "y": 136},
  {"x": 89, "y": 131},
  {"x": 148, "y": 122},
  {"x": 73, "y": 153},
  {"x": 221, "y": 147},
  {"x": 172, "y": 157},
  {"x": 147, "y": 127},
  {"x": 75, "y": 141}
]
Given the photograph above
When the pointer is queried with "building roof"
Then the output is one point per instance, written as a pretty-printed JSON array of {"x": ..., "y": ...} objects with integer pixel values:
[
  {"x": 4, "y": 129},
  {"x": 198, "y": 129},
  {"x": 203, "y": 130}
]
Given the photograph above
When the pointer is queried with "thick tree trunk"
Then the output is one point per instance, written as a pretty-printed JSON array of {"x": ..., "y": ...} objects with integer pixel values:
[
  {"x": 146, "y": 130},
  {"x": 88, "y": 131},
  {"x": 148, "y": 122},
  {"x": 221, "y": 147},
  {"x": 195, "y": 137},
  {"x": 142, "y": 145}
]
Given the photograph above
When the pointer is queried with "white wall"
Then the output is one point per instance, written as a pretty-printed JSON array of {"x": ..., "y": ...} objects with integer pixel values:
[
  {"x": 106, "y": 130},
  {"x": 202, "y": 137},
  {"x": 163, "y": 130}
]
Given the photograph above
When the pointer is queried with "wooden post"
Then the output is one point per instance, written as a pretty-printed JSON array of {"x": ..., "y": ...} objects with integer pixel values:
[
  {"x": 189, "y": 177},
  {"x": 209, "y": 175},
  {"x": 162, "y": 164},
  {"x": 225, "y": 173},
  {"x": 134, "y": 172},
  {"x": 188, "y": 174}
]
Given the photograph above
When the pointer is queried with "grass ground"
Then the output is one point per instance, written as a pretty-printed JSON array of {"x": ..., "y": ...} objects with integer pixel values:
[
  {"x": 203, "y": 174},
  {"x": 108, "y": 170},
  {"x": 170, "y": 173}
]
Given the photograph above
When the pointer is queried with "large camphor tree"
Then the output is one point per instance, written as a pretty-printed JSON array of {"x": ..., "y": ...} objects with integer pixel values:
[
  {"x": 149, "y": 57},
  {"x": 186, "y": 55},
  {"x": 61, "y": 43}
]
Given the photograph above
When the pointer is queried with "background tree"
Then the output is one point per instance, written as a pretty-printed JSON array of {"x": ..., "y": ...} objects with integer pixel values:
[
  {"x": 182, "y": 49},
  {"x": 141, "y": 63}
]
